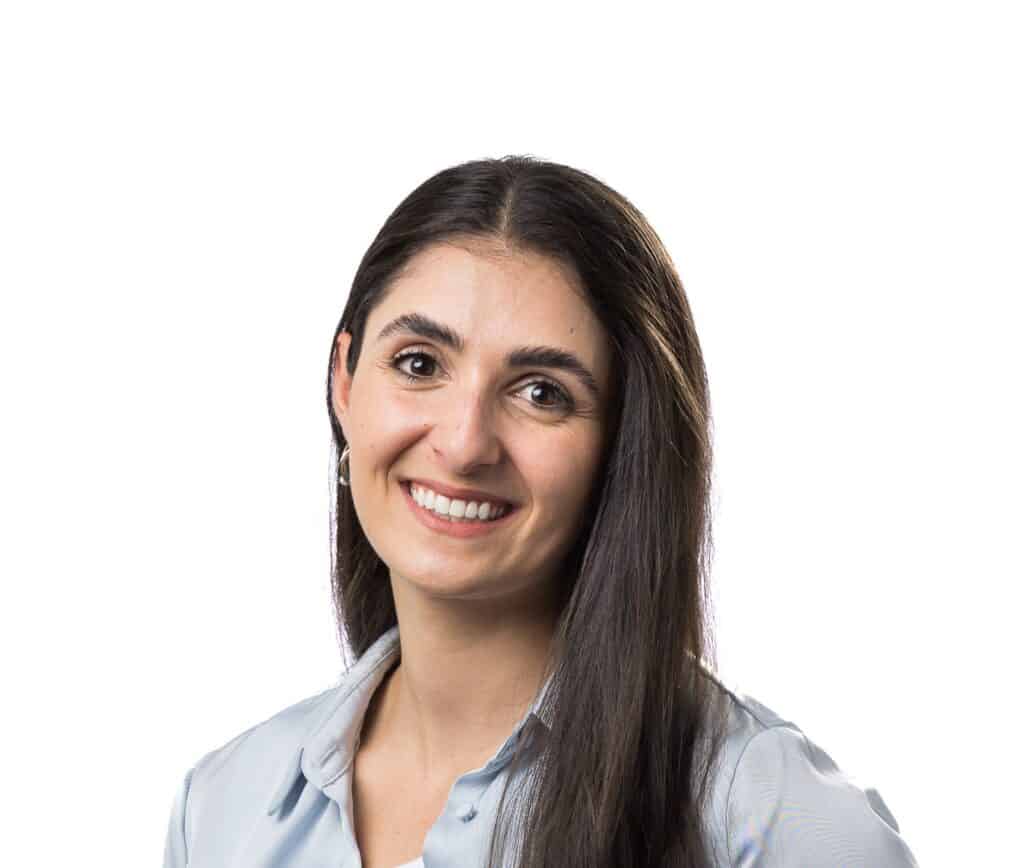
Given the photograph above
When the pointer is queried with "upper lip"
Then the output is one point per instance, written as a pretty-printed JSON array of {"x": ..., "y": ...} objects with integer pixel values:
[{"x": 451, "y": 491}]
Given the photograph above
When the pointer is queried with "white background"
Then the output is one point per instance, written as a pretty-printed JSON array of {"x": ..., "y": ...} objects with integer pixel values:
[{"x": 185, "y": 192}]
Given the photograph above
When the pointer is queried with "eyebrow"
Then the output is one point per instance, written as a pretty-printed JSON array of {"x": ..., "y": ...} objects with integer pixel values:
[{"x": 520, "y": 357}]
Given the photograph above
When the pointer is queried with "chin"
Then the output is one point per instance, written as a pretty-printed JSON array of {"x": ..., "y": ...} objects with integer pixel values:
[{"x": 448, "y": 583}]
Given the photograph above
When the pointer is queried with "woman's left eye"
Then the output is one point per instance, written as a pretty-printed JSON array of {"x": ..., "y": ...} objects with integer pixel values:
[{"x": 562, "y": 400}]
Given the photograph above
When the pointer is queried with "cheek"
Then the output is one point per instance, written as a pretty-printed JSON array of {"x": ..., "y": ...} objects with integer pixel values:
[
  {"x": 564, "y": 471},
  {"x": 383, "y": 424}
]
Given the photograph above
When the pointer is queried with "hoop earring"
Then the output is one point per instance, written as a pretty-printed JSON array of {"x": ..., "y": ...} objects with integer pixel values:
[{"x": 341, "y": 465}]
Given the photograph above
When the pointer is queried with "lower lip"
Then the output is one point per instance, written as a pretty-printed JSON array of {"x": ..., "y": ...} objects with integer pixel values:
[{"x": 461, "y": 529}]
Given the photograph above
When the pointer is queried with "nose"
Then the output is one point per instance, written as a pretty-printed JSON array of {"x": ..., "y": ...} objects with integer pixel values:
[{"x": 464, "y": 436}]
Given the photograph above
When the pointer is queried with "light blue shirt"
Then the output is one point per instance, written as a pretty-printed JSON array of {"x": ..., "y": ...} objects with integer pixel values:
[{"x": 280, "y": 794}]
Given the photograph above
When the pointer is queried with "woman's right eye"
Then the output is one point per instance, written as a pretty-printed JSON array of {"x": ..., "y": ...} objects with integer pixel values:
[{"x": 421, "y": 364}]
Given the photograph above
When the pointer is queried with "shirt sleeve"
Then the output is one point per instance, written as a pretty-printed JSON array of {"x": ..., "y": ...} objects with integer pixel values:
[
  {"x": 176, "y": 846},
  {"x": 790, "y": 805}
]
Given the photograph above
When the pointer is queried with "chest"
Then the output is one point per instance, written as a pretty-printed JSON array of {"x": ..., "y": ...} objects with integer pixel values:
[{"x": 392, "y": 815}]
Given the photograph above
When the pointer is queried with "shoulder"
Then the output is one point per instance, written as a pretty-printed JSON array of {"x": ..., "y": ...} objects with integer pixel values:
[
  {"x": 265, "y": 760},
  {"x": 233, "y": 789},
  {"x": 255, "y": 759},
  {"x": 232, "y": 784},
  {"x": 275, "y": 737},
  {"x": 780, "y": 799}
]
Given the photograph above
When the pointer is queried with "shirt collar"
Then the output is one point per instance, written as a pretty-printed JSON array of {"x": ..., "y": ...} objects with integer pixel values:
[{"x": 323, "y": 755}]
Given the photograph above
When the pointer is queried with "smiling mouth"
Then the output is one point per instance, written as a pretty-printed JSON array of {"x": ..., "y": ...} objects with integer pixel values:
[{"x": 455, "y": 511}]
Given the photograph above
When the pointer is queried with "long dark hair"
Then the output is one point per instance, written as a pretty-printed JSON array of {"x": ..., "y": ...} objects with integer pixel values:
[{"x": 623, "y": 778}]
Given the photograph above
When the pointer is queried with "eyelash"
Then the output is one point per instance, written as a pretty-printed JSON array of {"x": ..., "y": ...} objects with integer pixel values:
[{"x": 565, "y": 401}]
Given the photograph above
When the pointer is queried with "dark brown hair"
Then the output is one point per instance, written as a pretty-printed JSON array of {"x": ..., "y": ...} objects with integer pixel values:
[{"x": 634, "y": 643}]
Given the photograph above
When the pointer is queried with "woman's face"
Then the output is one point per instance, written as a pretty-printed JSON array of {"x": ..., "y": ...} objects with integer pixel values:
[{"x": 483, "y": 378}]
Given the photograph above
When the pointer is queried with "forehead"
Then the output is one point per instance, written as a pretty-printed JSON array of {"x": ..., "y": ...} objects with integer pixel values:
[{"x": 496, "y": 298}]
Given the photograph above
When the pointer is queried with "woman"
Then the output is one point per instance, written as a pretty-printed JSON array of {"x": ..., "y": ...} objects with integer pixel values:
[{"x": 520, "y": 409}]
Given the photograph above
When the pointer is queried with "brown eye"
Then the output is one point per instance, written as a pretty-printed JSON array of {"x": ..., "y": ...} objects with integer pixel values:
[
  {"x": 420, "y": 364},
  {"x": 548, "y": 395}
]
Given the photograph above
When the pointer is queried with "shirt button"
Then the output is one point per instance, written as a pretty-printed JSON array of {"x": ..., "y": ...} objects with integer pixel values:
[{"x": 467, "y": 814}]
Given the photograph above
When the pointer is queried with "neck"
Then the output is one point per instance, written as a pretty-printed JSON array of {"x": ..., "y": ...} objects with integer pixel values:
[{"x": 468, "y": 673}]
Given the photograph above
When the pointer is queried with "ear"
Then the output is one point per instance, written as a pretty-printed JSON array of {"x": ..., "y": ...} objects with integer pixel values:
[{"x": 342, "y": 379}]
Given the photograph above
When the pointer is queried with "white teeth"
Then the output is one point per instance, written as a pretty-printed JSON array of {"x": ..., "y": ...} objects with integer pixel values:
[{"x": 454, "y": 509}]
